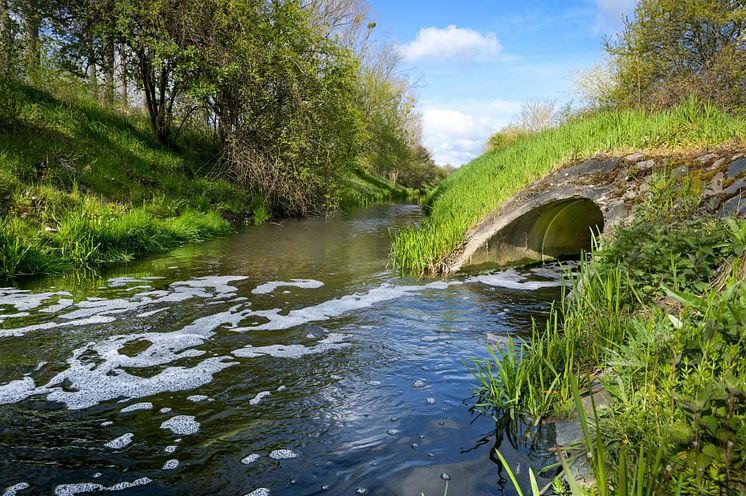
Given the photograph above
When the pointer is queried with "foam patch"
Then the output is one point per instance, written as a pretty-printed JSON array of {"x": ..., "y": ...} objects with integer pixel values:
[
  {"x": 182, "y": 425},
  {"x": 248, "y": 460},
  {"x": 268, "y": 287},
  {"x": 13, "y": 490},
  {"x": 259, "y": 397},
  {"x": 137, "y": 406},
  {"x": 283, "y": 454},
  {"x": 121, "y": 442},
  {"x": 262, "y": 491},
  {"x": 331, "y": 342},
  {"x": 511, "y": 279}
]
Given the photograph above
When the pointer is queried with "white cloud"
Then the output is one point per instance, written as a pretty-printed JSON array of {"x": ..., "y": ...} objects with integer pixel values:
[
  {"x": 456, "y": 134},
  {"x": 452, "y": 43},
  {"x": 611, "y": 13}
]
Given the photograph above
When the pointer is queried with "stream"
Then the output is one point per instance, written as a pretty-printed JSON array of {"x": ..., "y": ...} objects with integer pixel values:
[{"x": 285, "y": 359}]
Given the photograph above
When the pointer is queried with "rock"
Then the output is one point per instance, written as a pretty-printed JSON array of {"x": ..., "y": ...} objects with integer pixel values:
[
  {"x": 715, "y": 186},
  {"x": 645, "y": 165},
  {"x": 634, "y": 157},
  {"x": 679, "y": 172},
  {"x": 735, "y": 207},
  {"x": 567, "y": 432},
  {"x": 737, "y": 167},
  {"x": 737, "y": 186},
  {"x": 712, "y": 204},
  {"x": 705, "y": 159}
]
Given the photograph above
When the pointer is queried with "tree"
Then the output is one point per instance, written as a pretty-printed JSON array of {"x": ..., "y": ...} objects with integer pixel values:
[{"x": 671, "y": 49}]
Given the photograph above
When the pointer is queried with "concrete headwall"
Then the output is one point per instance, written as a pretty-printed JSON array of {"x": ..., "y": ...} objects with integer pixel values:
[{"x": 557, "y": 215}]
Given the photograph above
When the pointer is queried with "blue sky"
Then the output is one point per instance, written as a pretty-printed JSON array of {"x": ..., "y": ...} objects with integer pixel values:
[{"x": 475, "y": 61}]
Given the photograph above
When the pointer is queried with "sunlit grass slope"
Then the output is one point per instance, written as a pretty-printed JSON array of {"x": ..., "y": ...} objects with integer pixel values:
[{"x": 489, "y": 180}]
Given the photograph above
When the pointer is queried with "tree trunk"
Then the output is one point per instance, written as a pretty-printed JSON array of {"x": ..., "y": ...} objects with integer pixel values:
[
  {"x": 109, "y": 65},
  {"x": 124, "y": 77},
  {"x": 92, "y": 70},
  {"x": 33, "y": 56}
]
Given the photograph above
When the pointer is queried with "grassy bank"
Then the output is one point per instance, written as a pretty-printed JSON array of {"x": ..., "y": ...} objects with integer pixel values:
[
  {"x": 482, "y": 185},
  {"x": 656, "y": 328},
  {"x": 82, "y": 185}
]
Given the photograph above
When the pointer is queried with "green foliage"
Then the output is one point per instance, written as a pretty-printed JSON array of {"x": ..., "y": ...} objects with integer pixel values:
[
  {"x": 657, "y": 320},
  {"x": 482, "y": 185},
  {"x": 672, "y": 49}
]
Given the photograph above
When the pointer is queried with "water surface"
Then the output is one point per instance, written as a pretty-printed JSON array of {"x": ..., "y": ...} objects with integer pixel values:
[{"x": 286, "y": 357}]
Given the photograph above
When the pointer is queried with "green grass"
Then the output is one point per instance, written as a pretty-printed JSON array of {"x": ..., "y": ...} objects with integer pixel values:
[
  {"x": 82, "y": 185},
  {"x": 657, "y": 319},
  {"x": 364, "y": 189},
  {"x": 481, "y": 186}
]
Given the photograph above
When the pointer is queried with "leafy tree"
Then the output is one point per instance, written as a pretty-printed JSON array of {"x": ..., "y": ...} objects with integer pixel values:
[{"x": 672, "y": 49}]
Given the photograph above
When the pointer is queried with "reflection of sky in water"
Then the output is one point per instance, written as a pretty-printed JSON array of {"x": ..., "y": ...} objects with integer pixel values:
[{"x": 241, "y": 365}]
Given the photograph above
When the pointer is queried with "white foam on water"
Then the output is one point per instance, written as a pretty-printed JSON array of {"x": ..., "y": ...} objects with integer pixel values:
[
  {"x": 511, "y": 279},
  {"x": 120, "y": 282},
  {"x": 135, "y": 288},
  {"x": 331, "y": 342},
  {"x": 165, "y": 410},
  {"x": 259, "y": 397},
  {"x": 121, "y": 442},
  {"x": 150, "y": 313},
  {"x": 182, "y": 425},
  {"x": 170, "y": 449},
  {"x": 77, "y": 488},
  {"x": 91, "y": 487},
  {"x": 137, "y": 406},
  {"x": 61, "y": 304},
  {"x": 16, "y": 391},
  {"x": 196, "y": 398},
  {"x": 23, "y": 299},
  {"x": 171, "y": 464},
  {"x": 338, "y": 306},
  {"x": 219, "y": 283},
  {"x": 99, "y": 372},
  {"x": 12, "y": 490},
  {"x": 107, "y": 423},
  {"x": 248, "y": 460},
  {"x": 268, "y": 287},
  {"x": 262, "y": 491},
  {"x": 20, "y": 331},
  {"x": 282, "y": 388},
  {"x": 142, "y": 481},
  {"x": 14, "y": 316},
  {"x": 283, "y": 454}
]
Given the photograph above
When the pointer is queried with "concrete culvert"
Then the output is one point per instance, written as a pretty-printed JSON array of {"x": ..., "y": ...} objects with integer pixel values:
[{"x": 559, "y": 229}]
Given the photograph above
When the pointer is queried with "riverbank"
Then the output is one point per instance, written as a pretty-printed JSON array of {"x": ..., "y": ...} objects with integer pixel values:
[
  {"x": 479, "y": 187},
  {"x": 653, "y": 330},
  {"x": 82, "y": 185}
]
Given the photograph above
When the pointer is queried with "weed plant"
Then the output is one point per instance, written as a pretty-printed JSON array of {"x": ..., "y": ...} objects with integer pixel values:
[
  {"x": 657, "y": 319},
  {"x": 481, "y": 186}
]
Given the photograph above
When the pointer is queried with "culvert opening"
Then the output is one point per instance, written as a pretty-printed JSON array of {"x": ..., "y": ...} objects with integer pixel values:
[{"x": 558, "y": 230}]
